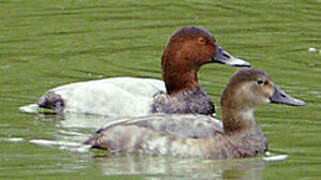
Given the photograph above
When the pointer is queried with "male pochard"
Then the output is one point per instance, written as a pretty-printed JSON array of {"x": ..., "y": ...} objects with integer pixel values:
[
  {"x": 188, "y": 49},
  {"x": 198, "y": 135}
]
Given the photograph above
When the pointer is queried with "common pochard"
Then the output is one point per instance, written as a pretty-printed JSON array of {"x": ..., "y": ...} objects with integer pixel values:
[
  {"x": 188, "y": 49},
  {"x": 193, "y": 135}
]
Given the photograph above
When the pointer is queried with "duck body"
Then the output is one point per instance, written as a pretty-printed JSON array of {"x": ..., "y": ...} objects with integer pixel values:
[
  {"x": 179, "y": 135},
  {"x": 106, "y": 96},
  {"x": 183, "y": 135},
  {"x": 188, "y": 49}
]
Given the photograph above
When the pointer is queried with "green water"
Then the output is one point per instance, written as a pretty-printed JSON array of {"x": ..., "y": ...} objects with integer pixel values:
[{"x": 45, "y": 43}]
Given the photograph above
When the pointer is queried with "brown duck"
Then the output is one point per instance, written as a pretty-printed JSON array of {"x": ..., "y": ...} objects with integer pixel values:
[{"x": 199, "y": 135}]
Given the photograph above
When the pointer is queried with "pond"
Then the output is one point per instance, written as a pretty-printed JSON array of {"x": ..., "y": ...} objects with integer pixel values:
[{"x": 44, "y": 44}]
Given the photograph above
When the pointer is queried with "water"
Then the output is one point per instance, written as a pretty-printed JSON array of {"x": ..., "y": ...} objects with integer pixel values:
[{"x": 44, "y": 44}]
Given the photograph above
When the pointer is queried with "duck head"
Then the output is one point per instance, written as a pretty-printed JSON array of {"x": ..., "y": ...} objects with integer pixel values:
[
  {"x": 188, "y": 49},
  {"x": 247, "y": 89}
]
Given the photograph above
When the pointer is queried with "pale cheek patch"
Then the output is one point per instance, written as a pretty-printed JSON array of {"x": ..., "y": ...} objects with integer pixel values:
[
  {"x": 244, "y": 91},
  {"x": 267, "y": 101},
  {"x": 268, "y": 94}
]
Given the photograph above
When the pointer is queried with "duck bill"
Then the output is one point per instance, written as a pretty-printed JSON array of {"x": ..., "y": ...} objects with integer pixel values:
[
  {"x": 280, "y": 97},
  {"x": 225, "y": 58}
]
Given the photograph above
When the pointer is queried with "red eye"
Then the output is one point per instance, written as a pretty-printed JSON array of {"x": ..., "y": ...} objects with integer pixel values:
[{"x": 202, "y": 40}]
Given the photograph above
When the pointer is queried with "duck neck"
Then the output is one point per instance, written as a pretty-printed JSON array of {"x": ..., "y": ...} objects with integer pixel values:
[
  {"x": 180, "y": 80},
  {"x": 237, "y": 116},
  {"x": 179, "y": 70}
]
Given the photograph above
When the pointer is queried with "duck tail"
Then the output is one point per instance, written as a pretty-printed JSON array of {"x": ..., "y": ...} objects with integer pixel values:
[
  {"x": 95, "y": 142},
  {"x": 91, "y": 141},
  {"x": 52, "y": 101}
]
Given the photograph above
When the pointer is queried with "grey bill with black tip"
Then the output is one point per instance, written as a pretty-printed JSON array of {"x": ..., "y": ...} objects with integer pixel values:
[
  {"x": 225, "y": 58},
  {"x": 280, "y": 97}
]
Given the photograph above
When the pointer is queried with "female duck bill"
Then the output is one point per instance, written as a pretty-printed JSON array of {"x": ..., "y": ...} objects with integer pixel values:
[{"x": 280, "y": 97}]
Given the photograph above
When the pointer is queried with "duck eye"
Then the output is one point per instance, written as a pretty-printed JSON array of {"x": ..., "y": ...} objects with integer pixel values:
[
  {"x": 259, "y": 81},
  {"x": 202, "y": 40}
]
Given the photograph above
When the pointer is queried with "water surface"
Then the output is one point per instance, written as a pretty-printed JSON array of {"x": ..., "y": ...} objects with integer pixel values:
[{"x": 45, "y": 43}]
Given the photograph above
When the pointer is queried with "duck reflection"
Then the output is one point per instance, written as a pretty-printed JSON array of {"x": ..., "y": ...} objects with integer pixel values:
[{"x": 154, "y": 168}]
